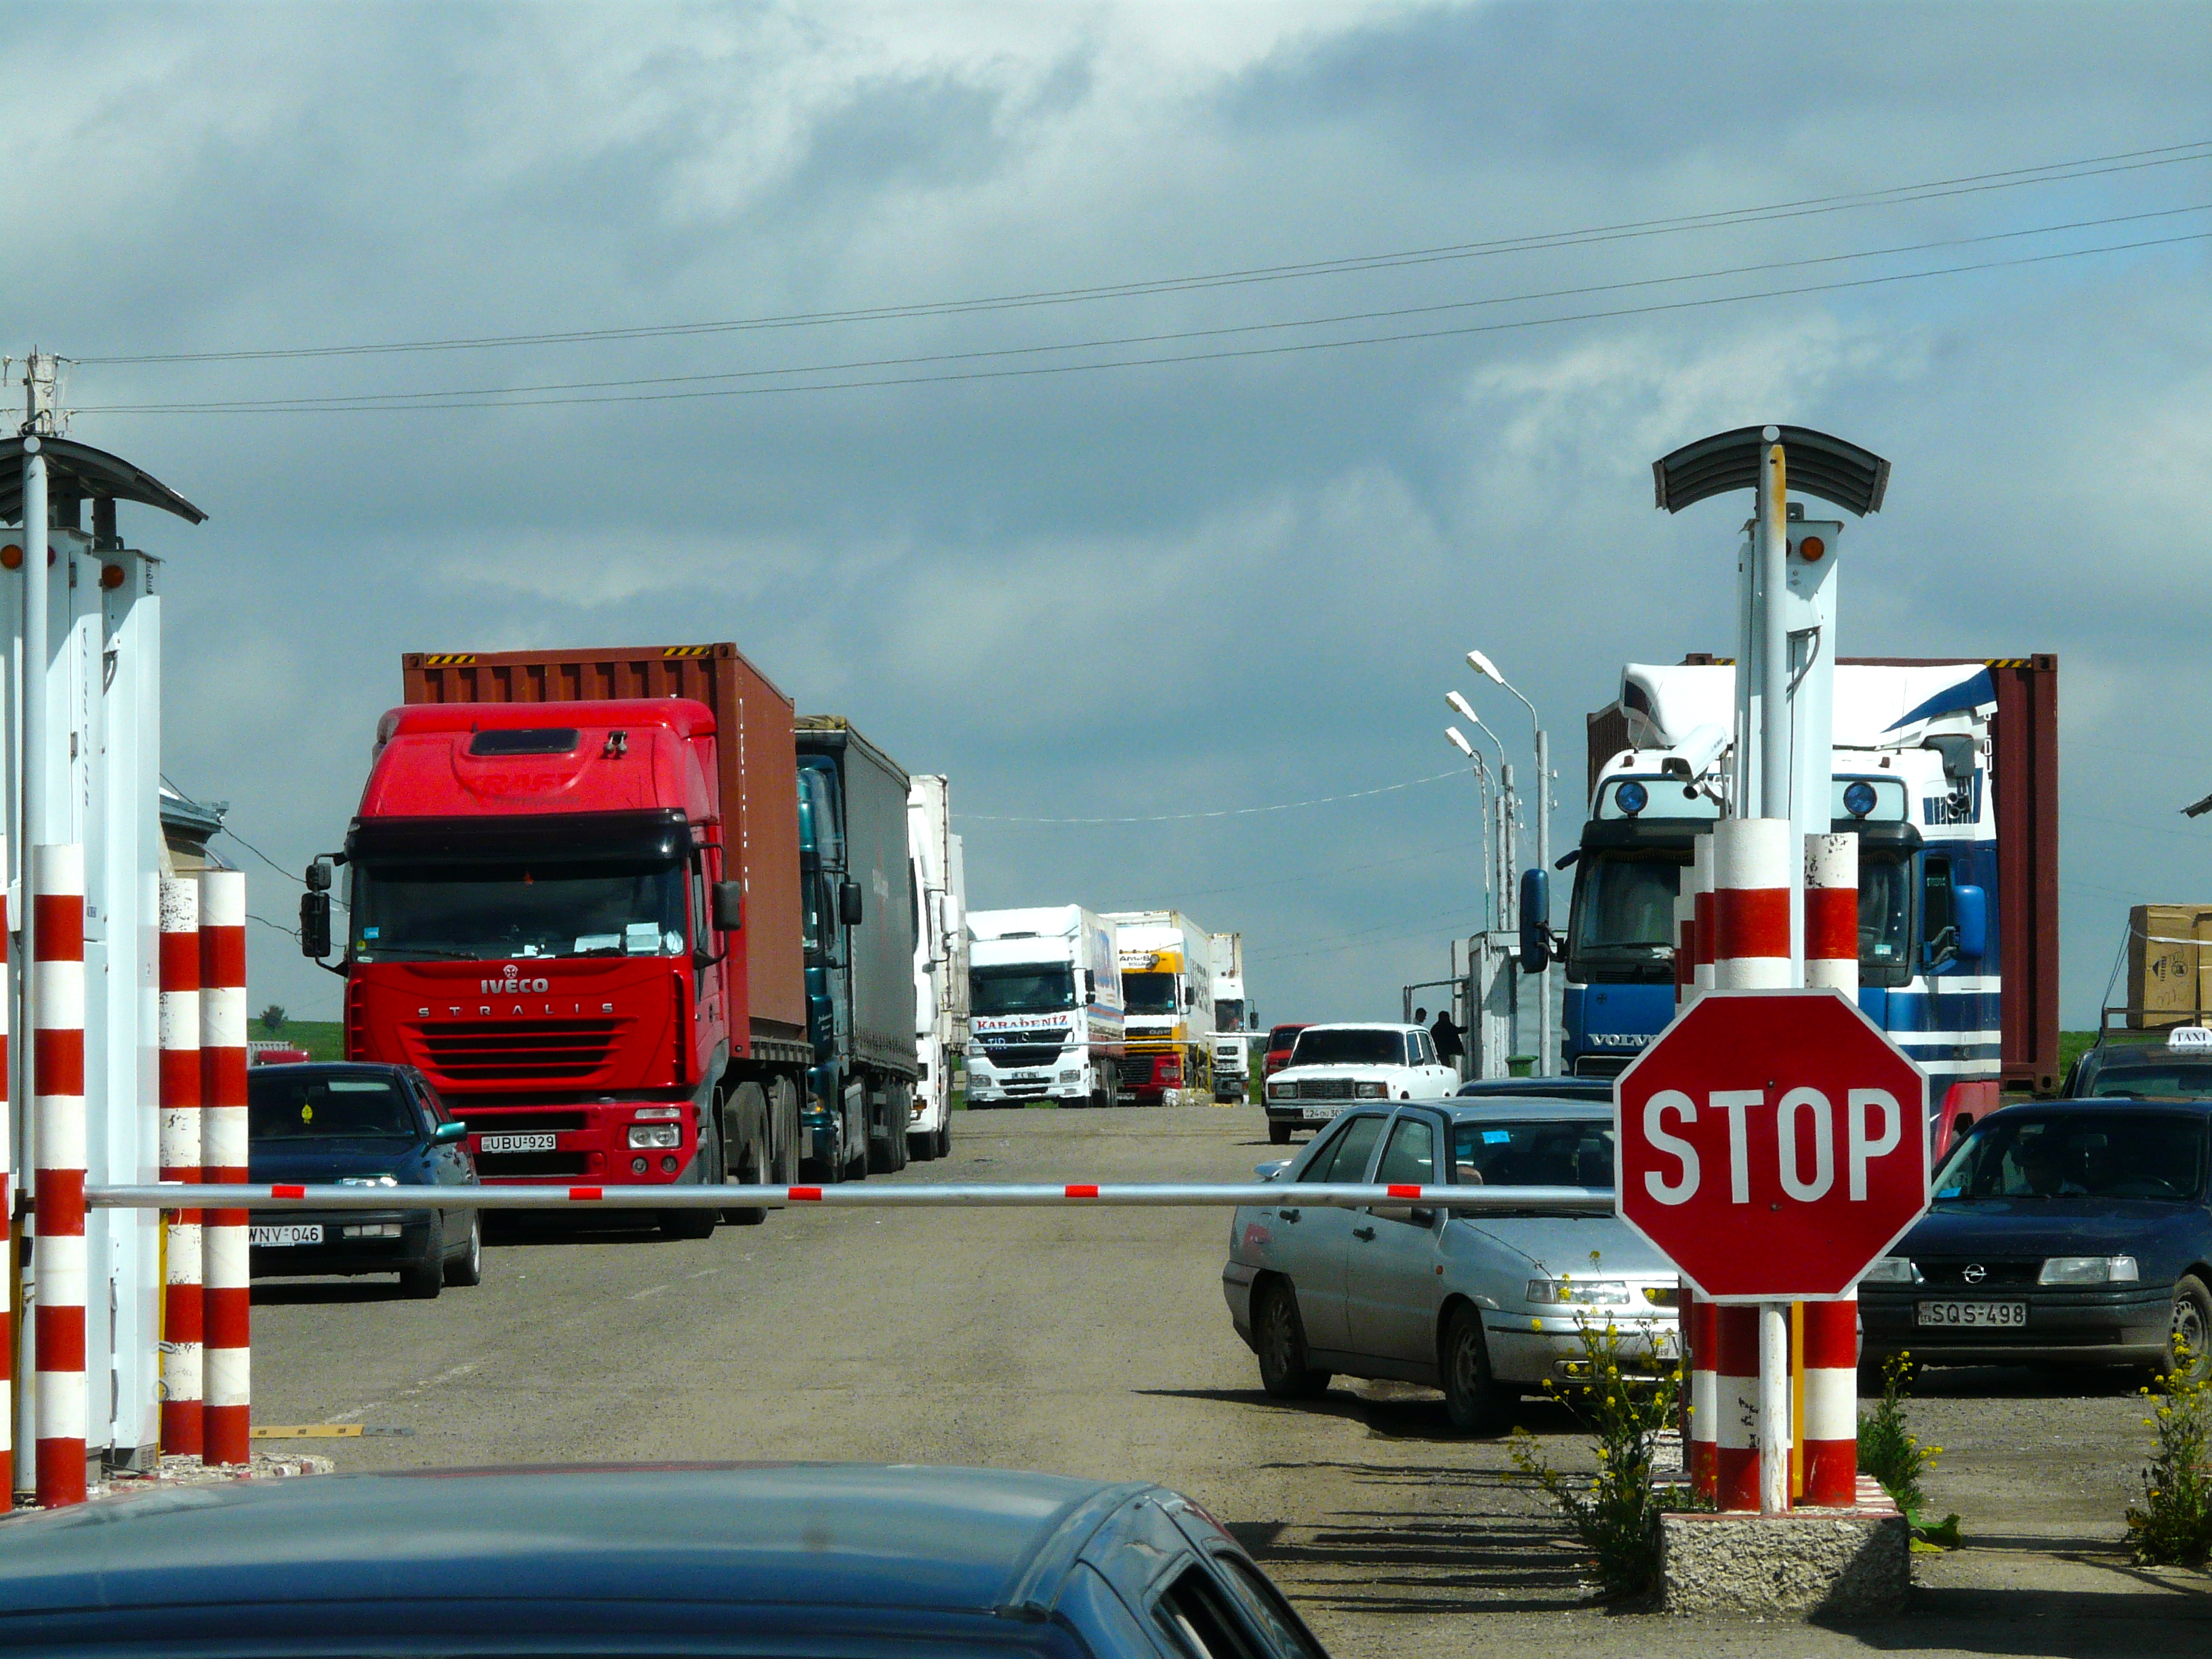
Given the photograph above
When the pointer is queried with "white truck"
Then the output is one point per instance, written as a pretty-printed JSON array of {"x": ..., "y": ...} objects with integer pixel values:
[
  {"x": 1232, "y": 1022},
  {"x": 1167, "y": 977},
  {"x": 940, "y": 962},
  {"x": 1045, "y": 1009}
]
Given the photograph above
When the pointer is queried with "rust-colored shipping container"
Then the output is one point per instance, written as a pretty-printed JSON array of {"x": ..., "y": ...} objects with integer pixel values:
[{"x": 756, "y": 758}]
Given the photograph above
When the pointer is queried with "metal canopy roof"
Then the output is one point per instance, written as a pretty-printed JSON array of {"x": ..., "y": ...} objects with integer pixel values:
[
  {"x": 91, "y": 473},
  {"x": 1853, "y": 479}
]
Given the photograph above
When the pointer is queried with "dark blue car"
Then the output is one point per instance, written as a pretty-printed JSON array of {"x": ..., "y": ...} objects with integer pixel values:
[
  {"x": 358, "y": 1124},
  {"x": 2063, "y": 1230},
  {"x": 846, "y": 1559}
]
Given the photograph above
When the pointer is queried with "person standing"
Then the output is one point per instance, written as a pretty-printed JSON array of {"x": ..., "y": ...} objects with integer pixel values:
[{"x": 1450, "y": 1048}]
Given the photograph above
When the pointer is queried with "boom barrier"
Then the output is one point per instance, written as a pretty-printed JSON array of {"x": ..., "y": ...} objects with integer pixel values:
[{"x": 1462, "y": 1201}]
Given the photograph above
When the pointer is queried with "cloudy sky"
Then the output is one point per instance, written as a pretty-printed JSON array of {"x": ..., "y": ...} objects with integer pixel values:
[{"x": 1136, "y": 545}]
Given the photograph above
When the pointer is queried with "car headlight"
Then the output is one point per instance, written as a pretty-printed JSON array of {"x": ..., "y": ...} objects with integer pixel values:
[
  {"x": 1371, "y": 1090},
  {"x": 2089, "y": 1270},
  {"x": 368, "y": 1181},
  {"x": 655, "y": 1135},
  {"x": 1579, "y": 1292},
  {"x": 1891, "y": 1270},
  {"x": 1282, "y": 1091}
]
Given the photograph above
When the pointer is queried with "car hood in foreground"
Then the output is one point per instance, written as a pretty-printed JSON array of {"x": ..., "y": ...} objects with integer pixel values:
[
  {"x": 323, "y": 1161},
  {"x": 2152, "y": 1231},
  {"x": 1562, "y": 1244}
]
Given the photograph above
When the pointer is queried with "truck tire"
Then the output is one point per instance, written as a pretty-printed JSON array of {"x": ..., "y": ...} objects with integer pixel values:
[
  {"x": 745, "y": 1126},
  {"x": 783, "y": 1098},
  {"x": 700, "y": 1223},
  {"x": 944, "y": 1137}
]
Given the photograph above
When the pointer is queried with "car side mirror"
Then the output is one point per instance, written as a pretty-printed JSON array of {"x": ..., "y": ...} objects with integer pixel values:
[
  {"x": 726, "y": 900},
  {"x": 849, "y": 910},
  {"x": 315, "y": 925},
  {"x": 446, "y": 1134},
  {"x": 1971, "y": 906},
  {"x": 1536, "y": 920}
]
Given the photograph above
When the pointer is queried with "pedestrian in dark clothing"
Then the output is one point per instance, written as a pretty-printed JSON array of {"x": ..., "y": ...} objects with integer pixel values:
[{"x": 1445, "y": 1035}]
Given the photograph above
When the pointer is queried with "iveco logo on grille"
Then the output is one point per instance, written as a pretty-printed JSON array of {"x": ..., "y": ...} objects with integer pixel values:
[
  {"x": 1975, "y": 1274},
  {"x": 514, "y": 984}
]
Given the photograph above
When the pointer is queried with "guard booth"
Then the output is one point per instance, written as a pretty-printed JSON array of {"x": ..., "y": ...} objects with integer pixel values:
[{"x": 97, "y": 750}]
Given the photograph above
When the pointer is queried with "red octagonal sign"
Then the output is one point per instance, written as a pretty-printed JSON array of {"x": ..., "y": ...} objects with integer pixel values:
[{"x": 1772, "y": 1143}]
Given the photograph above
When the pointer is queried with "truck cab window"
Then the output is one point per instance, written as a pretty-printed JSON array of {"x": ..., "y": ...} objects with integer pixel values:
[
  {"x": 1149, "y": 993},
  {"x": 1885, "y": 922}
]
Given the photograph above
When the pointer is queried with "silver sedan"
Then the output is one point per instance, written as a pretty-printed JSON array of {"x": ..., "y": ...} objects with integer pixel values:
[{"x": 1485, "y": 1308}]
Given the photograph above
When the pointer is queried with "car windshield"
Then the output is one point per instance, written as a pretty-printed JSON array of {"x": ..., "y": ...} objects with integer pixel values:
[
  {"x": 2174, "y": 1080},
  {"x": 482, "y": 912},
  {"x": 279, "y": 1108},
  {"x": 1148, "y": 992},
  {"x": 1024, "y": 988},
  {"x": 1624, "y": 917},
  {"x": 1352, "y": 1047},
  {"x": 1555, "y": 1152},
  {"x": 2097, "y": 1153}
]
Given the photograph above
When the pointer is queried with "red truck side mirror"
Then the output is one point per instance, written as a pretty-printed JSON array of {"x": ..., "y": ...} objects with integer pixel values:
[{"x": 728, "y": 902}]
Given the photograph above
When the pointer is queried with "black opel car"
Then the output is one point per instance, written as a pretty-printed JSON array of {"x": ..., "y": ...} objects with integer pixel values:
[
  {"x": 357, "y": 1124},
  {"x": 2063, "y": 1230}
]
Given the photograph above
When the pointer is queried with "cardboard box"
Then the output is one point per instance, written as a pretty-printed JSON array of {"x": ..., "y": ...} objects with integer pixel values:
[{"x": 2169, "y": 965}]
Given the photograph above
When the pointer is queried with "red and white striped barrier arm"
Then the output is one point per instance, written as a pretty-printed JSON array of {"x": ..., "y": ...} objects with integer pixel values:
[
  {"x": 7, "y": 1214},
  {"x": 1751, "y": 904},
  {"x": 59, "y": 1257},
  {"x": 917, "y": 1195},
  {"x": 180, "y": 1029},
  {"x": 1829, "y": 1432},
  {"x": 226, "y": 1291}
]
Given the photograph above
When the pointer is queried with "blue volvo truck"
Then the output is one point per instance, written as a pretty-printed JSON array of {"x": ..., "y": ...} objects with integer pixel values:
[{"x": 1946, "y": 771}]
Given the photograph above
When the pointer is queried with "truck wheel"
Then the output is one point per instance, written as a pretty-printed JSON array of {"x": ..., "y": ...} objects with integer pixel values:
[
  {"x": 1278, "y": 1337},
  {"x": 785, "y": 1136},
  {"x": 944, "y": 1138},
  {"x": 697, "y": 1224},
  {"x": 748, "y": 1128}
]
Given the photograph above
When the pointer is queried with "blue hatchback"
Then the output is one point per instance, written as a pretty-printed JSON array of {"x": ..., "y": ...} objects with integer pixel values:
[
  {"x": 852, "y": 1559},
  {"x": 2060, "y": 1231}
]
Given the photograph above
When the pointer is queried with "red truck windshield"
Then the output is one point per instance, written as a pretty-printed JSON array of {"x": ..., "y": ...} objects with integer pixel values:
[{"x": 476, "y": 912}]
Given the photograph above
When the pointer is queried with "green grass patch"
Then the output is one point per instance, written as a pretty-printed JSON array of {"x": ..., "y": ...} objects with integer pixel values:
[
  {"x": 2072, "y": 1045},
  {"x": 323, "y": 1039}
]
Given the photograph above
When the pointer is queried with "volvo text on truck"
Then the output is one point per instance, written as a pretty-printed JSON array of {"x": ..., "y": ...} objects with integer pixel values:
[
  {"x": 1946, "y": 771},
  {"x": 1167, "y": 985},
  {"x": 860, "y": 905},
  {"x": 1044, "y": 1008},
  {"x": 940, "y": 962},
  {"x": 575, "y": 896}
]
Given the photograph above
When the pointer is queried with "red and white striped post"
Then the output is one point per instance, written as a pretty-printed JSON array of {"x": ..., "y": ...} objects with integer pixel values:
[
  {"x": 1699, "y": 1327},
  {"x": 1829, "y": 1356},
  {"x": 226, "y": 1291},
  {"x": 58, "y": 1261},
  {"x": 1701, "y": 894},
  {"x": 180, "y": 1029},
  {"x": 1752, "y": 860},
  {"x": 1693, "y": 977}
]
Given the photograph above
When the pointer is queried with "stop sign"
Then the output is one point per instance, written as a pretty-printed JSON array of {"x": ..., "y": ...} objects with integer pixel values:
[{"x": 1772, "y": 1143}]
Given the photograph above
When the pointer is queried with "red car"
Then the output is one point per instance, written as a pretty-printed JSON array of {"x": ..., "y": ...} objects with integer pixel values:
[{"x": 1279, "y": 1039}]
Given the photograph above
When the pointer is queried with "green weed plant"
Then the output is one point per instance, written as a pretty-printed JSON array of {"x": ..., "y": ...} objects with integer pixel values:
[{"x": 2172, "y": 1524}]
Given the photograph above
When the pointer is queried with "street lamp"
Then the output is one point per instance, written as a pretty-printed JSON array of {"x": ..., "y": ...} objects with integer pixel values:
[
  {"x": 1458, "y": 740},
  {"x": 1483, "y": 665}
]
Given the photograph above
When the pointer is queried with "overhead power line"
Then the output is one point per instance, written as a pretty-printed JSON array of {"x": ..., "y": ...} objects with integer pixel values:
[
  {"x": 1221, "y": 812},
  {"x": 519, "y": 393},
  {"x": 299, "y": 407},
  {"x": 1891, "y": 196}
]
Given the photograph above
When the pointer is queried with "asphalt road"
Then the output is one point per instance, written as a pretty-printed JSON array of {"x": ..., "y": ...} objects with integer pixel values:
[{"x": 1097, "y": 1343}]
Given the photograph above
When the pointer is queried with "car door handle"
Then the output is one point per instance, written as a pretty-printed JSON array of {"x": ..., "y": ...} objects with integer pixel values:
[
  {"x": 1362, "y": 1232},
  {"x": 1288, "y": 1215}
]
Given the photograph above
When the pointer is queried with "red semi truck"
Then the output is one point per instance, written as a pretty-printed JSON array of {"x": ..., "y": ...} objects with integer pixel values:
[{"x": 575, "y": 905}]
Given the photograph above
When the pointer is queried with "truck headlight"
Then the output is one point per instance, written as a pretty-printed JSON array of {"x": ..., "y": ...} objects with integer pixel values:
[
  {"x": 1891, "y": 1270},
  {"x": 2089, "y": 1270},
  {"x": 1371, "y": 1090},
  {"x": 655, "y": 1135},
  {"x": 1071, "y": 1077},
  {"x": 1579, "y": 1292}
]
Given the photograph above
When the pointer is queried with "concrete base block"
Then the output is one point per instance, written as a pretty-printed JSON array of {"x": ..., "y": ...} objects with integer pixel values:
[{"x": 1850, "y": 1563}]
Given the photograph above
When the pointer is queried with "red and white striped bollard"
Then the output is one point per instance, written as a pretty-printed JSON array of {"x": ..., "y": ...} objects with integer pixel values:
[
  {"x": 225, "y": 1292},
  {"x": 58, "y": 1259},
  {"x": 179, "y": 1030},
  {"x": 1829, "y": 1432}
]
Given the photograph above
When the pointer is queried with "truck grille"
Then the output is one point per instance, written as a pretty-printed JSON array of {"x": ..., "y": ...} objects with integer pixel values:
[
  {"x": 533, "y": 1051},
  {"x": 1021, "y": 1054},
  {"x": 1325, "y": 1088},
  {"x": 507, "y": 1124}
]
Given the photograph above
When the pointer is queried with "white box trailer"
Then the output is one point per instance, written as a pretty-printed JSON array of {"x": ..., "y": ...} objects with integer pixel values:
[
  {"x": 1045, "y": 1010},
  {"x": 941, "y": 961}
]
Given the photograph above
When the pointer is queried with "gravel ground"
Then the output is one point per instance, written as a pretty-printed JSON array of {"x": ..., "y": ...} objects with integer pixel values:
[{"x": 1097, "y": 1343}]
